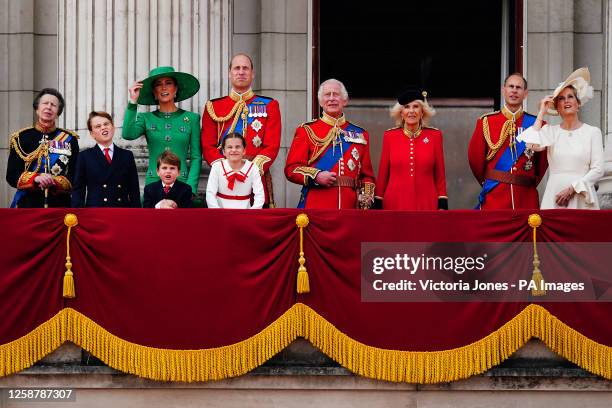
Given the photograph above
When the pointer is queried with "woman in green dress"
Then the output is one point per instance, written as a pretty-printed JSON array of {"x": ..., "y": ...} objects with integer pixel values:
[{"x": 168, "y": 127}]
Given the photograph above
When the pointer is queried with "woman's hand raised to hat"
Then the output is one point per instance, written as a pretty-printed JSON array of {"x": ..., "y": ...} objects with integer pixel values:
[
  {"x": 134, "y": 91},
  {"x": 545, "y": 103}
]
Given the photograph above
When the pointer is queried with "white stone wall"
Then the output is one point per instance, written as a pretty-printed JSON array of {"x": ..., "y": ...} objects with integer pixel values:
[
  {"x": 275, "y": 33},
  {"x": 605, "y": 185},
  {"x": 563, "y": 35},
  {"x": 28, "y": 46},
  {"x": 105, "y": 46}
]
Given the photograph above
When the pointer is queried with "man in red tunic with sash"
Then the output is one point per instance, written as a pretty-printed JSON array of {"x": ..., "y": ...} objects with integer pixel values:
[
  {"x": 330, "y": 157},
  {"x": 507, "y": 171},
  {"x": 255, "y": 117}
]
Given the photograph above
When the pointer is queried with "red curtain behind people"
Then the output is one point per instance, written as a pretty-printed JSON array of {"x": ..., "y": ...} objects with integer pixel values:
[{"x": 206, "y": 294}]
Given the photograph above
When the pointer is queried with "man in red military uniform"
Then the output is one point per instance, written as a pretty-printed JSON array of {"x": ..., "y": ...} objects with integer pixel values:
[
  {"x": 506, "y": 169},
  {"x": 255, "y": 117},
  {"x": 330, "y": 157}
]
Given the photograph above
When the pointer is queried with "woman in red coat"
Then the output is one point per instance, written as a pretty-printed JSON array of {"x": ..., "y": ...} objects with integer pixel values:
[{"x": 411, "y": 174}]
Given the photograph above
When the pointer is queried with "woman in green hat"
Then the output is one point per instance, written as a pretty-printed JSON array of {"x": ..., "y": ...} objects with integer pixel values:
[{"x": 168, "y": 127}]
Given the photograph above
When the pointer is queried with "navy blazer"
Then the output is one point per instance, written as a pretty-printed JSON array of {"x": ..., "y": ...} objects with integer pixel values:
[
  {"x": 180, "y": 193},
  {"x": 100, "y": 184}
]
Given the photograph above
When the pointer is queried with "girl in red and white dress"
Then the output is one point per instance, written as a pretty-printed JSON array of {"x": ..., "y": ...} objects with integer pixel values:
[{"x": 234, "y": 181}]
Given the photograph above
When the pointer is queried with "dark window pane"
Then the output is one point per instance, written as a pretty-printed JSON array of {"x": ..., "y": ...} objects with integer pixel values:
[{"x": 450, "y": 48}]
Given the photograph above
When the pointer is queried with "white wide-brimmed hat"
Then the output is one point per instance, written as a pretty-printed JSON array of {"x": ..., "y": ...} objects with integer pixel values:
[{"x": 580, "y": 80}]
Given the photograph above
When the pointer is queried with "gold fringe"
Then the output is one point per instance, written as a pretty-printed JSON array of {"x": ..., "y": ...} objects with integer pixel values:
[
  {"x": 302, "y": 321},
  {"x": 148, "y": 362},
  {"x": 428, "y": 367},
  {"x": 23, "y": 352}
]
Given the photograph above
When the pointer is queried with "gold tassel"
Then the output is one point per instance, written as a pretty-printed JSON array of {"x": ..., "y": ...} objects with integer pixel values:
[
  {"x": 70, "y": 220},
  {"x": 303, "y": 283},
  {"x": 537, "y": 278},
  {"x": 69, "y": 284}
]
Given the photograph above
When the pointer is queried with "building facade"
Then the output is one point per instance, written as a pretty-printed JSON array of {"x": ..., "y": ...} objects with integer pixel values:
[{"x": 93, "y": 50}]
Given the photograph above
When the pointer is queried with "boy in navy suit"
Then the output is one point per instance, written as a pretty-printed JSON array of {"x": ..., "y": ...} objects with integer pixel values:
[
  {"x": 168, "y": 192},
  {"x": 106, "y": 174}
]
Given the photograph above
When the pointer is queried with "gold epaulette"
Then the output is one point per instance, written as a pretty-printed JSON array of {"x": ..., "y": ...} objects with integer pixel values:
[
  {"x": 14, "y": 135},
  {"x": 308, "y": 123},
  {"x": 393, "y": 128},
  {"x": 489, "y": 114},
  {"x": 431, "y": 127}
]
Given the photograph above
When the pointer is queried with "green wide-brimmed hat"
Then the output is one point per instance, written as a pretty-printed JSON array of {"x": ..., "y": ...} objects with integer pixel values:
[{"x": 188, "y": 85}]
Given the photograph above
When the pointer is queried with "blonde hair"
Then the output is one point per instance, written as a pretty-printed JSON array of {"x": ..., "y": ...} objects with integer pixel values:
[
  {"x": 574, "y": 90},
  {"x": 396, "y": 112}
]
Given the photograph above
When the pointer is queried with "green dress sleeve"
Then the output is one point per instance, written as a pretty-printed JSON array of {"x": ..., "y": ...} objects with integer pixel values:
[
  {"x": 195, "y": 153},
  {"x": 133, "y": 123}
]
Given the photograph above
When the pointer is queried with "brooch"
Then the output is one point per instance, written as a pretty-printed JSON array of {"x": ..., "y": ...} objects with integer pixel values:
[
  {"x": 168, "y": 126},
  {"x": 168, "y": 138},
  {"x": 355, "y": 154},
  {"x": 64, "y": 159},
  {"x": 186, "y": 119},
  {"x": 256, "y": 125},
  {"x": 256, "y": 141},
  {"x": 182, "y": 129},
  {"x": 426, "y": 140},
  {"x": 351, "y": 164},
  {"x": 56, "y": 169}
]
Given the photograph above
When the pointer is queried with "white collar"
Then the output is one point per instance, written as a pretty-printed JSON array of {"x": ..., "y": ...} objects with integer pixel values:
[{"x": 110, "y": 148}]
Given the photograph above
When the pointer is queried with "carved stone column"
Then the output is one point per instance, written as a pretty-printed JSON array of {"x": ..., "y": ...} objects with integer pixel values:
[{"x": 104, "y": 46}]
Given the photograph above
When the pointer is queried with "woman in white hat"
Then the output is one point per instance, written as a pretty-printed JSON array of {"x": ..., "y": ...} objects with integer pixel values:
[
  {"x": 168, "y": 127},
  {"x": 574, "y": 149}
]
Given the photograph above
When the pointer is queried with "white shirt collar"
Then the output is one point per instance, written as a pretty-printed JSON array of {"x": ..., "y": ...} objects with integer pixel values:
[{"x": 111, "y": 148}]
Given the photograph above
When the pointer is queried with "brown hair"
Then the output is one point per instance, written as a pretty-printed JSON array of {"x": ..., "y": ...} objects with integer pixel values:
[
  {"x": 50, "y": 91},
  {"x": 518, "y": 74},
  {"x": 234, "y": 135},
  {"x": 167, "y": 157},
  {"x": 101, "y": 114}
]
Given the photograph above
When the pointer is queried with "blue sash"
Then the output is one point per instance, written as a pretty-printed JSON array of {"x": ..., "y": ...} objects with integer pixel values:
[
  {"x": 329, "y": 159},
  {"x": 257, "y": 107},
  {"x": 53, "y": 158},
  {"x": 506, "y": 161}
]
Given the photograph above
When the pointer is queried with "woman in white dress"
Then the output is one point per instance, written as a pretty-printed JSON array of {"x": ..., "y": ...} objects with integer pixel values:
[
  {"x": 234, "y": 181},
  {"x": 574, "y": 149}
]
